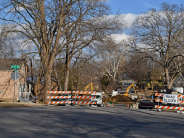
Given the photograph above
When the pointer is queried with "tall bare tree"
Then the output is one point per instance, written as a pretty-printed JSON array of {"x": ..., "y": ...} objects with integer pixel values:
[
  {"x": 161, "y": 32},
  {"x": 113, "y": 56},
  {"x": 83, "y": 34},
  {"x": 137, "y": 68},
  {"x": 43, "y": 22}
]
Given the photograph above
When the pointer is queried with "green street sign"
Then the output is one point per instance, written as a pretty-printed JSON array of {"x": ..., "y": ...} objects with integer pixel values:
[
  {"x": 15, "y": 66},
  {"x": 15, "y": 69}
]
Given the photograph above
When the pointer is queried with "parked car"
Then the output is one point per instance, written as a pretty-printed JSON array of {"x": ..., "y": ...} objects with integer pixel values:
[{"x": 145, "y": 104}]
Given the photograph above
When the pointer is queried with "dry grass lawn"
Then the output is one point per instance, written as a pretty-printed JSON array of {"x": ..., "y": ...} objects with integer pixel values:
[{"x": 18, "y": 105}]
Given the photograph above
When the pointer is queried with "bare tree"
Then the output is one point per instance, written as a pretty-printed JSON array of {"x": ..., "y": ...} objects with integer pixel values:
[
  {"x": 161, "y": 32},
  {"x": 43, "y": 23},
  {"x": 83, "y": 34},
  {"x": 6, "y": 43},
  {"x": 113, "y": 56},
  {"x": 137, "y": 68},
  {"x": 82, "y": 70}
]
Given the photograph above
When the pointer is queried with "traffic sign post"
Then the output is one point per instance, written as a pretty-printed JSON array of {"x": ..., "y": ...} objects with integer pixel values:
[
  {"x": 15, "y": 75},
  {"x": 15, "y": 66}
]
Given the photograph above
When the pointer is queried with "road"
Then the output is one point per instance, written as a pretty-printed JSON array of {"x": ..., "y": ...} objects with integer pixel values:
[{"x": 86, "y": 122}]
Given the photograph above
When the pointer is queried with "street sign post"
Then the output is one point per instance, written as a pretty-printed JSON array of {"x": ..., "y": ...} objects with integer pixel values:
[
  {"x": 15, "y": 76},
  {"x": 15, "y": 67}
]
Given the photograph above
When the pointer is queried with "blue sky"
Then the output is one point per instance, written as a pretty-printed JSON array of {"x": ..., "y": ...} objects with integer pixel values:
[
  {"x": 137, "y": 6},
  {"x": 130, "y": 9}
]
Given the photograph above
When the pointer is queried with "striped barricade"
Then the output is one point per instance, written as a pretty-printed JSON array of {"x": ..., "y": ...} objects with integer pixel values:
[
  {"x": 159, "y": 94},
  {"x": 61, "y": 92},
  {"x": 84, "y": 92},
  {"x": 83, "y": 102},
  {"x": 64, "y": 97},
  {"x": 171, "y": 99},
  {"x": 59, "y": 102},
  {"x": 83, "y": 97},
  {"x": 86, "y": 98},
  {"x": 169, "y": 107},
  {"x": 180, "y": 96},
  {"x": 180, "y": 100},
  {"x": 68, "y": 97},
  {"x": 158, "y": 100},
  {"x": 58, "y": 97}
]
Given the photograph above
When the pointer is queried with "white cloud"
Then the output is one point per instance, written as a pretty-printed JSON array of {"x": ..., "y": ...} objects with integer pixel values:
[
  {"x": 120, "y": 37},
  {"x": 126, "y": 19},
  {"x": 129, "y": 19}
]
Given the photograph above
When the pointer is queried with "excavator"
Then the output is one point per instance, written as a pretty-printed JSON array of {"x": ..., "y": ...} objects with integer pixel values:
[
  {"x": 90, "y": 84},
  {"x": 127, "y": 90}
]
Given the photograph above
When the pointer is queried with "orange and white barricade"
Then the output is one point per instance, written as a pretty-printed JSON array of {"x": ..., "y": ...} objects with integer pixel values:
[
  {"x": 59, "y": 102},
  {"x": 175, "y": 99},
  {"x": 84, "y": 92},
  {"x": 169, "y": 107},
  {"x": 61, "y": 92},
  {"x": 63, "y": 99},
  {"x": 84, "y": 98},
  {"x": 83, "y": 102}
]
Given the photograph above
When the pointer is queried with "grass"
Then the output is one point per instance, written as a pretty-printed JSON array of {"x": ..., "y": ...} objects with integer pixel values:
[{"x": 18, "y": 105}]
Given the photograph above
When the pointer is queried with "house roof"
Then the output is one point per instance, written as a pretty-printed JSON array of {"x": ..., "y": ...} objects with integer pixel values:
[{"x": 5, "y": 64}]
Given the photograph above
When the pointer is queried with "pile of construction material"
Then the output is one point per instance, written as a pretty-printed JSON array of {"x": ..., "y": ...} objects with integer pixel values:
[
  {"x": 134, "y": 106},
  {"x": 118, "y": 98},
  {"x": 109, "y": 104}
]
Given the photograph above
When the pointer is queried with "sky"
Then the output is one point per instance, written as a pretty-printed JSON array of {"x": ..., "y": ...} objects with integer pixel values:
[
  {"x": 131, "y": 9},
  {"x": 137, "y": 6}
]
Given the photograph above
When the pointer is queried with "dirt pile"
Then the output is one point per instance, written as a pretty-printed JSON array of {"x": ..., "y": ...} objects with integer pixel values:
[{"x": 118, "y": 98}]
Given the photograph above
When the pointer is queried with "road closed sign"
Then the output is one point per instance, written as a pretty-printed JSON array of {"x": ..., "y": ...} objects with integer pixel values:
[{"x": 170, "y": 98}]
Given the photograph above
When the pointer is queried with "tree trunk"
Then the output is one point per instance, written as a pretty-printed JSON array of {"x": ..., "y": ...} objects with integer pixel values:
[
  {"x": 48, "y": 63},
  {"x": 36, "y": 86},
  {"x": 168, "y": 79},
  {"x": 58, "y": 80},
  {"x": 47, "y": 84},
  {"x": 38, "y": 81},
  {"x": 67, "y": 72},
  {"x": 169, "y": 86}
]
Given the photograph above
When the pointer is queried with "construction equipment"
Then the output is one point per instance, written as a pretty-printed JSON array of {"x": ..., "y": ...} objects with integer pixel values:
[
  {"x": 127, "y": 91},
  {"x": 90, "y": 84}
]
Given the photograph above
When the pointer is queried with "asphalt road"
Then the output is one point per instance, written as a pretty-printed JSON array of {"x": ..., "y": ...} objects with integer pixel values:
[{"x": 86, "y": 122}]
